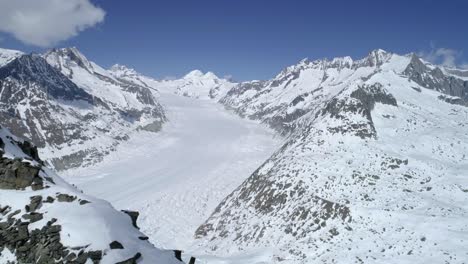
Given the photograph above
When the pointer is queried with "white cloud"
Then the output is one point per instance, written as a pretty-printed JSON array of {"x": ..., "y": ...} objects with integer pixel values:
[
  {"x": 445, "y": 57},
  {"x": 228, "y": 77},
  {"x": 46, "y": 22}
]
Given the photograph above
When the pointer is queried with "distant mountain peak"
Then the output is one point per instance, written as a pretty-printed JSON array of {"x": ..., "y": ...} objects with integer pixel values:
[
  {"x": 122, "y": 69},
  {"x": 7, "y": 55},
  {"x": 71, "y": 54},
  {"x": 211, "y": 75},
  {"x": 194, "y": 74}
]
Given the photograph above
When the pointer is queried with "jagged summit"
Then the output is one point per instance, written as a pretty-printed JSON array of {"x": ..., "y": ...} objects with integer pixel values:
[
  {"x": 32, "y": 68},
  {"x": 41, "y": 96},
  {"x": 65, "y": 56}
]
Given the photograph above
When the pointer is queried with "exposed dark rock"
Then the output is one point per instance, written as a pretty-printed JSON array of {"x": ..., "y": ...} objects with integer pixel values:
[
  {"x": 35, "y": 69},
  {"x": 132, "y": 260},
  {"x": 63, "y": 197},
  {"x": 30, "y": 150},
  {"x": 178, "y": 254},
  {"x": 33, "y": 217},
  {"x": 82, "y": 202},
  {"x": 134, "y": 216},
  {"x": 143, "y": 237},
  {"x": 116, "y": 245},
  {"x": 15, "y": 174},
  {"x": 40, "y": 245},
  {"x": 49, "y": 199},
  {"x": 435, "y": 79},
  {"x": 192, "y": 260},
  {"x": 365, "y": 97},
  {"x": 371, "y": 94},
  {"x": 36, "y": 203},
  {"x": 95, "y": 256},
  {"x": 453, "y": 100}
]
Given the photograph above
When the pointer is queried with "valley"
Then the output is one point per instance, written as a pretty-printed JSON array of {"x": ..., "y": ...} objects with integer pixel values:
[{"x": 177, "y": 177}]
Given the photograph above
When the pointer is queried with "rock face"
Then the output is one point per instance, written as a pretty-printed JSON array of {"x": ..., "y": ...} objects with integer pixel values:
[
  {"x": 372, "y": 169},
  {"x": 434, "y": 78},
  {"x": 42, "y": 218},
  {"x": 72, "y": 109}
]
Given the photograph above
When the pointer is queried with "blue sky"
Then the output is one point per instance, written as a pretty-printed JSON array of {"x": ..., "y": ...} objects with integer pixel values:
[{"x": 255, "y": 39}]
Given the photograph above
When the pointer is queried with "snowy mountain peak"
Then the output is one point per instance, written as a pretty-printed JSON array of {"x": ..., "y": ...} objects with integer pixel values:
[
  {"x": 194, "y": 74},
  {"x": 378, "y": 57},
  {"x": 67, "y": 56},
  {"x": 32, "y": 68},
  {"x": 7, "y": 55},
  {"x": 211, "y": 75},
  {"x": 121, "y": 68}
]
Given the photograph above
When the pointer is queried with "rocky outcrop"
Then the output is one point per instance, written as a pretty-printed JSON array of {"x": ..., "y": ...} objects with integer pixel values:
[
  {"x": 18, "y": 175},
  {"x": 435, "y": 79},
  {"x": 41, "y": 217}
]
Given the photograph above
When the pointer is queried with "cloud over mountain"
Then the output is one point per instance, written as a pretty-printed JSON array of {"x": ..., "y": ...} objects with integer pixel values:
[{"x": 36, "y": 22}]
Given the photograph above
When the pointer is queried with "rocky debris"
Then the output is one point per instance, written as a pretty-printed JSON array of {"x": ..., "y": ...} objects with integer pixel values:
[
  {"x": 40, "y": 245},
  {"x": 33, "y": 217},
  {"x": 63, "y": 197},
  {"x": 132, "y": 260},
  {"x": 134, "y": 216},
  {"x": 83, "y": 202},
  {"x": 18, "y": 175},
  {"x": 36, "y": 203},
  {"x": 49, "y": 199},
  {"x": 26, "y": 233},
  {"x": 453, "y": 100},
  {"x": 116, "y": 245}
]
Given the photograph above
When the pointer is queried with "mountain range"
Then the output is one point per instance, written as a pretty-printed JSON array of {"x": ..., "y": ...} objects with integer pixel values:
[{"x": 372, "y": 169}]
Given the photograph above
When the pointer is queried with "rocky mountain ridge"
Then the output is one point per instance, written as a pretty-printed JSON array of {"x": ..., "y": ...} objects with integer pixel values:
[
  {"x": 41, "y": 217},
  {"x": 372, "y": 171},
  {"x": 47, "y": 99}
]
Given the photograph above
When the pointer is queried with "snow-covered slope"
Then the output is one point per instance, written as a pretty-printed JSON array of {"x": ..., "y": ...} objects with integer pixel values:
[
  {"x": 200, "y": 156},
  {"x": 7, "y": 55},
  {"x": 72, "y": 109},
  {"x": 300, "y": 88},
  {"x": 373, "y": 171},
  {"x": 45, "y": 220},
  {"x": 129, "y": 75}
]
